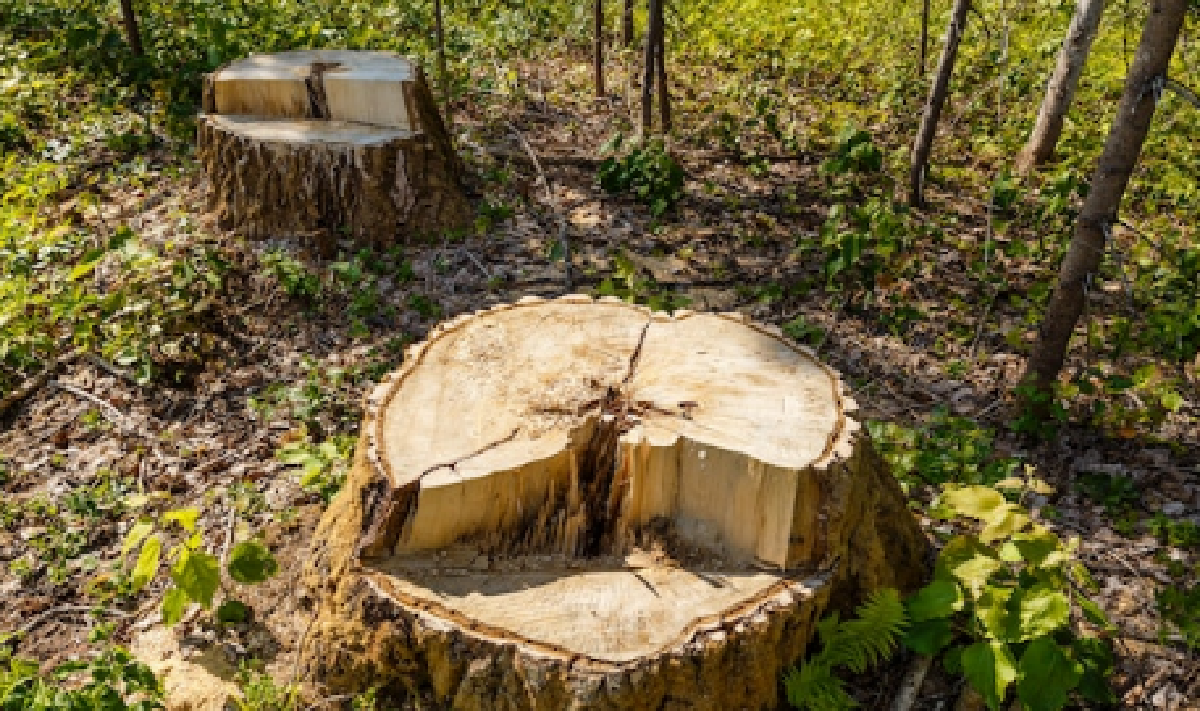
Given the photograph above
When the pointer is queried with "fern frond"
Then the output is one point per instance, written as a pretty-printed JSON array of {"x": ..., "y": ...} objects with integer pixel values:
[
  {"x": 813, "y": 687},
  {"x": 869, "y": 638}
]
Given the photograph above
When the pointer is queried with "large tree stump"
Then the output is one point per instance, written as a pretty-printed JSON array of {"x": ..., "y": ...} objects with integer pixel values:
[
  {"x": 328, "y": 141},
  {"x": 580, "y": 504}
]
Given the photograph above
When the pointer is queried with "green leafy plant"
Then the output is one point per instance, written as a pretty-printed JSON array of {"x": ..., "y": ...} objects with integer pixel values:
[
  {"x": 856, "y": 644},
  {"x": 295, "y": 278},
  {"x": 323, "y": 466},
  {"x": 855, "y": 153},
  {"x": 649, "y": 172},
  {"x": 1001, "y": 602},
  {"x": 946, "y": 449},
  {"x": 194, "y": 573},
  {"x": 112, "y": 681},
  {"x": 629, "y": 284},
  {"x": 1179, "y": 608}
]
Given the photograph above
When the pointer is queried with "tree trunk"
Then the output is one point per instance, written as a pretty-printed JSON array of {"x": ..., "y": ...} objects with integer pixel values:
[
  {"x": 649, "y": 70},
  {"x": 440, "y": 35},
  {"x": 132, "y": 33},
  {"x": 598, "y": 59},
  {"x": 924, "y": 36},
  {"x": 580, "y": 504},
  {"x": 328, "y": 143},
  {"x": 933, "y": 106},
  {"x": 627, "y": 24},
  {"x": 660, "y": 63},
  {"x": 1147, "y": 75},
  {"x": 1061, "y": 89}
]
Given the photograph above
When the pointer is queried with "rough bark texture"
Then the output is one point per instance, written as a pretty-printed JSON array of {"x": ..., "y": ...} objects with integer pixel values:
[
  {"x": 530, "y": 592},
  {"x": 933, "y": 105},
  {"x": 1061, "y": 89},
  {"x": 280, "y": 162},
  {"x": 1143, "y": 85}
]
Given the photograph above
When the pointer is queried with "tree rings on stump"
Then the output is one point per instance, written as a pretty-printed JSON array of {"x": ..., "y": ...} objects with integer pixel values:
[
  {"x": 328, "y": 142},
  {"x": 583, "y": 504}
]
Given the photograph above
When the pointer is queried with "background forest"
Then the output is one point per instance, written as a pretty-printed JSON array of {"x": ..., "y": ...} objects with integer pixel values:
[{"x": 162, "y": 380}]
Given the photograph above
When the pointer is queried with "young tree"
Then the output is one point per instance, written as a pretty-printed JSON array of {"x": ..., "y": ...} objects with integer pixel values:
[
  {"x": 654, "y": 66},
  {"x": 1143, "y": 85},
  {"x": 627, "y": 24},
  {"x": 933, "y": 105},
  {"x": 598, "y": 59},
  {"x": 1061, "y": 89},
  {"x": 132, "y": 34}
]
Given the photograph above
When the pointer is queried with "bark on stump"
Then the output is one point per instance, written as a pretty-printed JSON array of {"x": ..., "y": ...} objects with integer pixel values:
[
  {"x": 337, "y": 142},
  {"x": 577, "y": 504}
]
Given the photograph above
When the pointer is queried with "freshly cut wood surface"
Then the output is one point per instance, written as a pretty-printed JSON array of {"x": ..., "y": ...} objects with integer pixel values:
[
  {"x": 340, "y": 85},
  {"x": 328, "y": 143},
  {"x": 600, "y": 507}
]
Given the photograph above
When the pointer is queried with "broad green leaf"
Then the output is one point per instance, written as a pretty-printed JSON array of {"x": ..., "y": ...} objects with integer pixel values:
[
  {"x": 978, "y": 502},
  {"x": 197, "y": 574},
  {"x": 940, "y": 598},
  {"x": 147, "y": 563},
  {"x": 1004, "y": 523},
  {"x": 184, "y": 517},
  {"x": 1039, "y": 610},
  {"x": 173, "y": 605},
  {"x": 232, "y": 611},
  {"x": 251, "y": 562},
  {"x": 137, "y": 534},
  {"x": 1083, "y": 578},
  {"x": 1046, "y": 675},
  {"x": 968, "y": 561},
  {"x": 990, "y": 669},
  {"x": 929, "y": 636},
  {"x": 1041, "y": 548},
  {"x": 991, "y": 609},
  {"x": 81, "y": 270}
]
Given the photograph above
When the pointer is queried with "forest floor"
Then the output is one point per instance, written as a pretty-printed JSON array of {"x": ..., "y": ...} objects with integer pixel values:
[{"x": 282, "y": 364}]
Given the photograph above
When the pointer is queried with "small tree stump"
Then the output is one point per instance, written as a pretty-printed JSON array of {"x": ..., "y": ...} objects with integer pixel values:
[
  {"x": 580, "y": 504},
  {"x": 328, "y": 142}
]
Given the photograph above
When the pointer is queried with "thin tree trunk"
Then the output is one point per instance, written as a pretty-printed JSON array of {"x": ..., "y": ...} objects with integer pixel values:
[
  {"x": 648, "y": 71},
  {"x": 132, "y": 33},
  {"x": 1146, "y": 78},
  {"x": 1061, "y": 88},
  {"x": 924, "y": 34},
  {"x": 598, "y": 60},
  {"x": 443, "y": 77},
  {"x": 933, "y": 106},
  {"x": 627, "y": 24},
  {"x": 664, "y": 97}
]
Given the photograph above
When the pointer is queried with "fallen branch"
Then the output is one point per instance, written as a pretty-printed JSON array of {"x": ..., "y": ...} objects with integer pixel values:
[
  {"x": 562, "y": 231},
  {"x": 912, "y": 682}
]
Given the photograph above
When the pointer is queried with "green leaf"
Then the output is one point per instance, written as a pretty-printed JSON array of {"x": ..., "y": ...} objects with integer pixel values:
[
  {"x": 978, "y": 502},
  {"x": 81, "y": 270},
  {"x": 989, "y": 667},
  {"x": 137, "y": 534},
  {"x": 173, "y": 606},
  {"x": 1096, "y": 657},
  {"x": 184, "y": 517},
  {"x": 970, "y": 562},
  {"x": 197, "y": 574},
  {"x": 1092, "y": 613},
  {"x": 1047, "y": 674},
  {"x": 1039, "y": 610},
  {"x": 251, "y": 562},
  {"x": 1004, "y": 523},
  {"x": 991, "y": 609},
  {"x": 1041, "y": 548},
  {"x": 232, "y": 611},
  {"x": 940, "y": 598},
  {"x": 929, "y": 636},
  {"x": 147, "y": 563}
]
